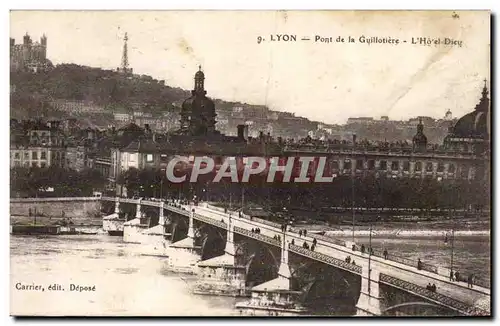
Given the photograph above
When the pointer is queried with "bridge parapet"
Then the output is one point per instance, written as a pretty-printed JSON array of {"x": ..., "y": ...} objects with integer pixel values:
[
  {"x": 257, "y": 236},
  {"x": 433, "y": 296},
  {"x": 328, "y": 239},
  {"x": 325, "y": 259},
  {"x": 211, "y": 221},
  {"x": 265, "y": 222},
  {"x": 151, "y": 203},
  {"x": 121, "y": 200},
  {"x": 177, "y": 210}
]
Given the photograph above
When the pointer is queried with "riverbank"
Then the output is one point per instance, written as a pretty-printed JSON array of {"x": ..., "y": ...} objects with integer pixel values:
[
  {"x": 422, "y": 229},
  {"x": 72, "y": 226}
]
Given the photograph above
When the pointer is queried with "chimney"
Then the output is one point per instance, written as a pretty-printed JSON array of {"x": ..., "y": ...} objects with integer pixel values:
[{"x": 241, "y": 132}]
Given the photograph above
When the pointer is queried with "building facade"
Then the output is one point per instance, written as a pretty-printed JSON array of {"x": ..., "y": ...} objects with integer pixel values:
[{"x": 37, "y": 145}]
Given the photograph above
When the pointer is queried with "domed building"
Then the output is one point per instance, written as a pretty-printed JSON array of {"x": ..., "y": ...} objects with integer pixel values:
[
  {"x": 471, "y": 133},
  {"x": 198, "y": 111}
]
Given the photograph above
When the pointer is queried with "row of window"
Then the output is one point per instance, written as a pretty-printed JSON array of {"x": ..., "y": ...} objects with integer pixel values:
[
  {"x": 395, "y": 165},
  {"x": 34, "y": 155},
  {"x": 429, "y": 166},
  {"x": 360, "y": 165},
  {"x": 33, "y": 164}
]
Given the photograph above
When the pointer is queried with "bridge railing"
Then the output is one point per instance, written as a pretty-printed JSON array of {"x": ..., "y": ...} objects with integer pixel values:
[
  {"x": 265, "y": 222},
  {"x": 435, "y": 296},
  {"x": 325, "y": 258},
  {"x": 151, "y": 203},
  {"x": 328, "y": 239},
  {"x": 211, "y": 221},
  {"x": 258, "y": 236},
  {"x": 177, "y": 210},
  {"x": 482, "y": 282}
]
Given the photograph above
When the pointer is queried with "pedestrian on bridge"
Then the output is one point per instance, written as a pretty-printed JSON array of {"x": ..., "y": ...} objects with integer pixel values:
[
  {"x": 305, "y": 233},
  {"x": 313, "y": 246},
  {"x": 385, "y": 253},
  {"x": 315, "y": 241},
  {"x": 293, "y": 241},
  {"x": 457, "y": 276},
  {"x": 451, "y": 275},
  {"x": 300, "y": 232},
  {"x": 362, "y": 248},
  {"x": 470, "y": 280},
  {"x": 419, "y": 264}
]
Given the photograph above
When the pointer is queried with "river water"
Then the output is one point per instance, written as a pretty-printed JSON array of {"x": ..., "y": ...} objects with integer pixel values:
[{"x": 128, "y": 283}]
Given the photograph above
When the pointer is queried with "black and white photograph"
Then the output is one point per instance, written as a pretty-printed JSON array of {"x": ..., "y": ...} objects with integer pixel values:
[{"x": 272, "y": 163}]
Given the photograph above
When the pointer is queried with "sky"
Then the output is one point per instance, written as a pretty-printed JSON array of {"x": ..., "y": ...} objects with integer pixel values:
[{"x": 326, "y": 82}]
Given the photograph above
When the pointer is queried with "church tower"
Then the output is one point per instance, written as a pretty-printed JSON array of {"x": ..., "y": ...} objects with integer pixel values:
[
  {"x": 420, "y": 140},
  {"x": 198, "y": 111}
]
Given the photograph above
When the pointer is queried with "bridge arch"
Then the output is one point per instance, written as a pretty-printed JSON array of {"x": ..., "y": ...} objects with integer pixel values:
[
  {"x": 213, "y": 242},
  {"x": 420, "y": 308},
  {"x": 179, "y": 229},
  {"x": 260, "y": 260}
]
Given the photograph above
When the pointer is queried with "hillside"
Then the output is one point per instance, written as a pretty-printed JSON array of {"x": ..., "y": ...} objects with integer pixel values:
[
  {"x": 93, "y": 95},
  {"x": 104, "y": 88}
]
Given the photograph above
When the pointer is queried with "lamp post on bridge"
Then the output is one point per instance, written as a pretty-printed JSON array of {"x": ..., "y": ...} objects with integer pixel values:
[
  {"x": 452, "y": 244},
  {"x": 352, "y": 182},
  {"x": 370, "y": 259}
]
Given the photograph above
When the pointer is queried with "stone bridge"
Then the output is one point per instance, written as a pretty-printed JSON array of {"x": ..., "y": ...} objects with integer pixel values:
[{"x": 239, "y": 255}]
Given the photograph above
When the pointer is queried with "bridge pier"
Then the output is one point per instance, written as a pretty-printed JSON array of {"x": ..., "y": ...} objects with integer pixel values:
[
  {"x": 222, "y": 275},
  {"x": 155, "y": 238},
  {"x": 133, "y": 230},
  {"x": 184, "y": 254},
  {"x": 112, "y": 223},
  {"x": 156, "y": 233},
  {"x": 275, "y": 297},
  {"x": 369, "y": 302}
]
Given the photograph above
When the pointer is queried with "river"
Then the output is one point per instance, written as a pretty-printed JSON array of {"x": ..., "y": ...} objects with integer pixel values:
[{"x": 130, "y": 284}]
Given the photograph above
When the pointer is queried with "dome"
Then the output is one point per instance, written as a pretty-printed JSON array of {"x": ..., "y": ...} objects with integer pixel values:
[
  {"x": 471, "y": 124},
  {"x": 474, "y": 124},
  {"x": 195, "y": 103},
  {"x": 199, "y": 75}
]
